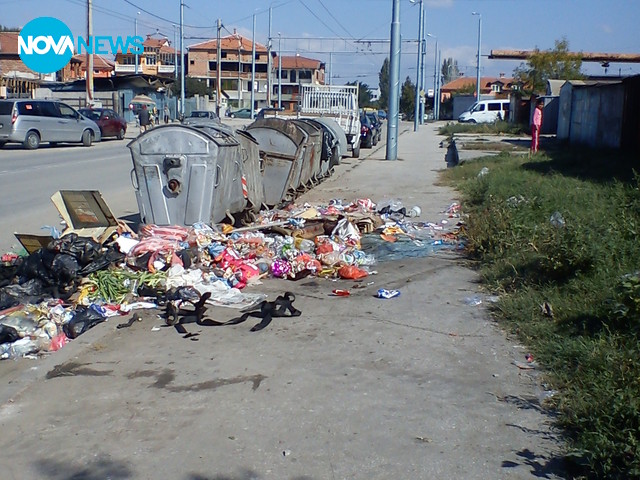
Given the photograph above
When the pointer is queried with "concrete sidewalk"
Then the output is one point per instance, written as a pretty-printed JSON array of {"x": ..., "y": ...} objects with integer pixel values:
[{"x": 422, "y": 386}]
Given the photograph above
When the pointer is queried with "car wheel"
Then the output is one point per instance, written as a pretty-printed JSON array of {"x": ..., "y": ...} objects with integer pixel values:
[
  {"x": 2, "y": 144},
  {"x": 32, "y": 140},
  {"x": 356, "y": 152},
  {"x": 472, "y": 121},
  {"x": 121, "y": 134},
  {"x": 232, "y": 116},
  {"x": 87, "y": 138},
  {"x": 375, "y": 140}
]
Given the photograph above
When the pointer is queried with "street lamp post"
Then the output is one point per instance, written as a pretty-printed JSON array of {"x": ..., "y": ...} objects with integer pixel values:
[
  {"x": 279, "y": 70},
  {"x": 478, "y": 64},
  {"x": 435, "y": 77},
  {"x": 416, "y": 120},
  {"x": 135, "y": 25}
]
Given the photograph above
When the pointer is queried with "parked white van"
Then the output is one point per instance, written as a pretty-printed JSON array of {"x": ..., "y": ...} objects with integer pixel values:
[{"x": 486, "y": 111}]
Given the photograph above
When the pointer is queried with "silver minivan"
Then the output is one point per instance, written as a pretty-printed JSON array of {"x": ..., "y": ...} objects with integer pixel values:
[{"x": 32, "y": 122}]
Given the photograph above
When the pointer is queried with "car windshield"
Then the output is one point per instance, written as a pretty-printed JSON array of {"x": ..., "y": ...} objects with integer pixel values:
[{"x": 199, "y": 115}]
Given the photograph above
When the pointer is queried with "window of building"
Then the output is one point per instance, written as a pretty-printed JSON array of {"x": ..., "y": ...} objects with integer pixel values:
[
  {"x": 223, "y": 54},
  {"x": 304, "y": 74},
  {"x": 285, "y": 74},
  {"x": 496, "y": 88},
  {"x": 151, "y": 60},
  {"x": 212, "y": 66}
]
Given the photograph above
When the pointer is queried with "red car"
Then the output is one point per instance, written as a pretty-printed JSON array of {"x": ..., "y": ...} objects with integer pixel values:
[{"x": 111, "y": 124}]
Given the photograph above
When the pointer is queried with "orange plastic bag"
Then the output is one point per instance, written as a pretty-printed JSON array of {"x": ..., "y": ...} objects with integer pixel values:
[{"x": 351, "y": 272}]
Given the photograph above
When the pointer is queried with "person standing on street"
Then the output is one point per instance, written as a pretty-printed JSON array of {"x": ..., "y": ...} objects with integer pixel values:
[
  {"x": 536, "y": 125},
  {"x": 144, "y": 119},
  {"x": 166, "y": 114}
]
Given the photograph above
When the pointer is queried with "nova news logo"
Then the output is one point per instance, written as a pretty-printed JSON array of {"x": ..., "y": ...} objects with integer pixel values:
[{"x": 46, "y": 45}]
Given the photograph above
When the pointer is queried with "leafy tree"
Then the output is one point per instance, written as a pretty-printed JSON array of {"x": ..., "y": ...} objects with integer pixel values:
[
  {"x": 9, "y": 29},
  {"x": 383, "y": 84},
  {"x": 364, "y": 93},
  {"x": 450, "y": 70},
  {"x": 408, "y": 99},
  {"x": 192, "y": 86},
  {"x": 543, "y": 65}
]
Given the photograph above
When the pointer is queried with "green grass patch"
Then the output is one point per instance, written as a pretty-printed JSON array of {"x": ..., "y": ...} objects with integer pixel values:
[
  {"x": 563, "y": 228},
  {"x": 501, "y": 127}
]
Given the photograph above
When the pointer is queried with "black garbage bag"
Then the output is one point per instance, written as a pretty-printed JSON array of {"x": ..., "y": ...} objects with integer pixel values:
[
  {"x": 83, "y": 249},
  {"x": 37, "y": 266},
  {"x": 65, "y": 269},
  {"x": 8, "y": 334},
  {"x": 84, "y": 319},
  {"x": 8, "y": 274},
  {"x": 112, "y": 255},
  {"x": 31, "y": 291}
]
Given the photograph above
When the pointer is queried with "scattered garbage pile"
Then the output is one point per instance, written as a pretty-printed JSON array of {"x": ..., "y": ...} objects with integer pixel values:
[{"x": 72, "y": 283}]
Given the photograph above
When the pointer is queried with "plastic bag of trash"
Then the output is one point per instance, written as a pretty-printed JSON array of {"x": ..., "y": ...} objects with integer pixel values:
[
  {"x": 8, "y": 334},
  {"x": 83, "y": 249},
  {"x": 84, "y": 319}
]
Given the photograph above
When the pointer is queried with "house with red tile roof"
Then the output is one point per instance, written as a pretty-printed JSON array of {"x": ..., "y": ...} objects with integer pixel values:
[
  {"x": 159, "y": 58},
  {"x": 15, "y": 76},
  {"x": 77, "y": 69},
  {"x": 499, "y": 87},
  {"x": 296, "y": 71}
]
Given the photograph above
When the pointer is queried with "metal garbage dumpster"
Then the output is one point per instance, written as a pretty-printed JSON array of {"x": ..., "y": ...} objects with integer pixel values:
[
  {"x": 339, "y": 135},
  {"x": 311, "y": 165},
  {"x": 252, "y": 170},
  {"x": 283, "y": 145},
  {"x": 326, "y": 151},
  {"x": 183, "y": 175}
]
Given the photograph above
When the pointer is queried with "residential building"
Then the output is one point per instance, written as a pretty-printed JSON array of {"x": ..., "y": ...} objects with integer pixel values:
[
  {"x": 235, "y": 68},
  {"x": 16, "y": 79},
  {"x": 158, "y": 59},
  {"x": 296, "y": 71},
  {"x": 498, "y": 87},
  {"x": 77, "y": 68}
]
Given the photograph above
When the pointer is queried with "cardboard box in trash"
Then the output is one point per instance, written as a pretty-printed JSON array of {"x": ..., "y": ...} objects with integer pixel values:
[{"x": 84, "y": 212}]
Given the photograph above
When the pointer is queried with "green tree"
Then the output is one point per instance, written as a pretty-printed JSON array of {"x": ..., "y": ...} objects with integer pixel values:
[
  {"x": 192, "y": 86},
  {"x": 9, "y": 29},
  {"x": 450, "y": 70},
  {"x": 383, "y": 84},
  {"x": 364, "y": 93},
  {"x": 407, "y": 99},
  {"x": 558, "y": 63}
]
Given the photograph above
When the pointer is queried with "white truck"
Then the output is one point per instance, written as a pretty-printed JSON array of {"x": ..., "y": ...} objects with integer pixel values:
[{"x": 339, "y": 102}]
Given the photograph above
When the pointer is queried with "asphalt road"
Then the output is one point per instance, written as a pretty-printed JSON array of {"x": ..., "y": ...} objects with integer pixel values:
[{"x": 29, "y": 178}]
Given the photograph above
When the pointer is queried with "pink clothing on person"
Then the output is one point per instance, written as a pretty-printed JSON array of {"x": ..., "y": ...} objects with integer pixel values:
[
  {"x": 536, "y": 123},
  {"x": 537, "y": 117}
]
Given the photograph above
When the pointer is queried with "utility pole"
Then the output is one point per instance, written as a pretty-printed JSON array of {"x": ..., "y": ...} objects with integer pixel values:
[
  {"x": 394, "y": 84},
  {"x": 330, "y": 68},
  {"x": 416, "y": 119},
  {"x": 269, "y": 64},
  {"x": 253, "y": 69},
  {"x": 135, "y": 32},
  {"x": 279, "y": 70},
  {"x": 478, "y": 65},
  {"x": 218, "y": 69},
  {"x": 89, "y": 57},
  {"x": 423, "y": 101},
  {"x": 181, "y": 59}
]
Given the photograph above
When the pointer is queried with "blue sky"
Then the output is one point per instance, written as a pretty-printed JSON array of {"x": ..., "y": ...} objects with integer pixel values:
[{"x": 356, "y": 31}]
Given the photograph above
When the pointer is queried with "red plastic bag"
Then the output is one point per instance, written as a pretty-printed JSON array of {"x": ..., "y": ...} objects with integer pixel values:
[
  {"x": 58, "y": 342},
  {"x": 351, "y": 272}
]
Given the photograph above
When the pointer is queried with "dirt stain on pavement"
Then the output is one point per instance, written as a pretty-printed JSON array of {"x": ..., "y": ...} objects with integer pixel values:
[{"x": 72, "y": 369}]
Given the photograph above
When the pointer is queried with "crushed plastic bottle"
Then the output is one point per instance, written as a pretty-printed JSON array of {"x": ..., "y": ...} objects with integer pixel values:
[
  {"x": 483, "y": 172},
  {"x": 557, "y": 220}
]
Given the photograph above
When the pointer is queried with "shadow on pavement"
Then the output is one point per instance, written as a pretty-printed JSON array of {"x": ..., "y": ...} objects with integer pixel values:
[{"x": 96, "y": 470}]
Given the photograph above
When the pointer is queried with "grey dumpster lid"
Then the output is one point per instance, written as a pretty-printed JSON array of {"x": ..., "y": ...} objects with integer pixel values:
[
  {"x": 289, "y": 130},
  {"x": 148, "y": 141},
  {"x": 337, "y": 131}
]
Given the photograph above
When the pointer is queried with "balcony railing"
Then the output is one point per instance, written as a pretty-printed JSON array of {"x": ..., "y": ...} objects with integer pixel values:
[
  {"x": 126, "y": 68},
  {"x": 166, "y": 68}
]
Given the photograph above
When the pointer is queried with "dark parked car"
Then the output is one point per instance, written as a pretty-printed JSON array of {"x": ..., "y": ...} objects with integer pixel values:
[
  {"x": 368, "y": 132},
  {"x": 242, "y": 113},
  {"x": 375, "y": 119},
  {"x": 111, "y": 124},
  {"x": 201, "y": 117}
]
